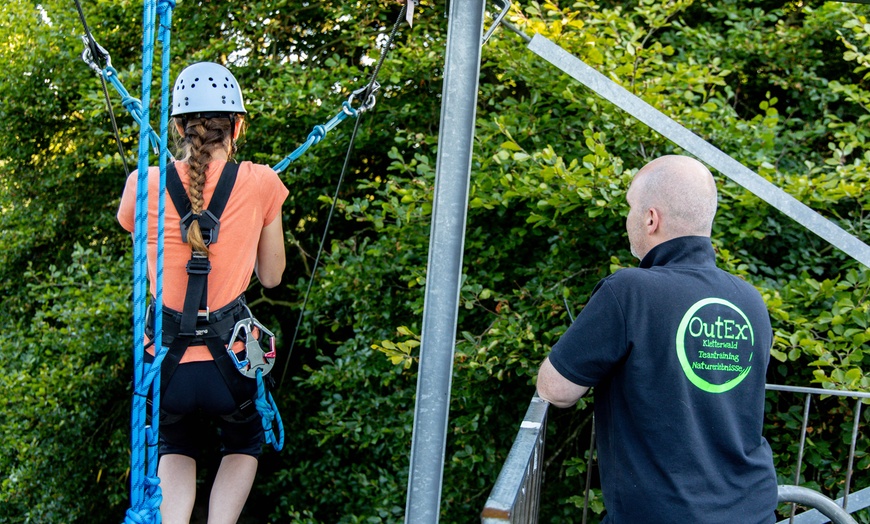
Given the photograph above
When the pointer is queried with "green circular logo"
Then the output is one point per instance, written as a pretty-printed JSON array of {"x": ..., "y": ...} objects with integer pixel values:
[{"x": 709, "y": 342}]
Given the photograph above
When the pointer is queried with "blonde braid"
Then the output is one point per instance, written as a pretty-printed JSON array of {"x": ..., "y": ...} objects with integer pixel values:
[{"x": 201, "y": 137}]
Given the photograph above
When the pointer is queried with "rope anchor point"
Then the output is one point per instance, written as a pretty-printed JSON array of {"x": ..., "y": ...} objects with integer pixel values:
[
  {"x": 92, "y": 48},
  {"x": 370, "y": 100}
]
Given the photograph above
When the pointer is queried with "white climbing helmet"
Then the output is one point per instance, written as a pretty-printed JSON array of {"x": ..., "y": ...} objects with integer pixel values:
[{"x": 206, "y": 87}]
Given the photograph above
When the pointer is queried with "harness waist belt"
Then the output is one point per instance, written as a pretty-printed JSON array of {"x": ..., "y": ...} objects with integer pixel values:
[{"x": 210, "y": 324}]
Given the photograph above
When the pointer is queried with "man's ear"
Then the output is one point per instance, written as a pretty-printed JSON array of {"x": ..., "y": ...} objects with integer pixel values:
[{"x": 652, "y": 220}]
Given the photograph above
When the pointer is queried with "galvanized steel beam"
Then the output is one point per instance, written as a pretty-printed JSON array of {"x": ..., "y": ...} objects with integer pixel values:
[{"x": 444, "y": 269}]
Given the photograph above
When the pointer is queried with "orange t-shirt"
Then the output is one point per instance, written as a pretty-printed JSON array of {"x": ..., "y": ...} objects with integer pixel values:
[{"x": 254, "y": 203}]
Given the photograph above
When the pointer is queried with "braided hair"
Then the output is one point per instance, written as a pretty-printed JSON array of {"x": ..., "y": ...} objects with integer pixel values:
[{"x": 202, "y": 136}]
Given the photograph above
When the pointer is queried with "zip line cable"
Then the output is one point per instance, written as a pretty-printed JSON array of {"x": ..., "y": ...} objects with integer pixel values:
[
  {"x": 370, "y": 88},
  {"x": 94, "y": 50}
]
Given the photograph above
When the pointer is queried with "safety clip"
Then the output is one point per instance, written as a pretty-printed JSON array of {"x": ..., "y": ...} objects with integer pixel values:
[
  {"x": 89, "y": 58},
  {"x": 255, "y": 358},
  {"x": 368, "y": 104}
]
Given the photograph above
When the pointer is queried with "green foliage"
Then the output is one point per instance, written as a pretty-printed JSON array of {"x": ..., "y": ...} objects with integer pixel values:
[
  {"x": 66, "y": 398},
  {"x": 781, "y": 88}
]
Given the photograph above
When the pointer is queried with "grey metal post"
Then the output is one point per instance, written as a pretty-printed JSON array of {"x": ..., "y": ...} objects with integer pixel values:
[{"x": 444, "y": 273}]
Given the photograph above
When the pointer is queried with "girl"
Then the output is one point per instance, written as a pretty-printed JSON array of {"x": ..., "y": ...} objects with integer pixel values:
[{"x": 216, "y": 237}]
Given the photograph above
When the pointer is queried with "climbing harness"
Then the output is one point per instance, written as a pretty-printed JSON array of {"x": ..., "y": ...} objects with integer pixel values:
[{"x": 218, "y": 330}]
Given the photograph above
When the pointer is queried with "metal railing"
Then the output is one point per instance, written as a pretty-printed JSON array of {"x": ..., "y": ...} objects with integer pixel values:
[
  {"x": 515, "y": 498},
  {"x": 850, "y": 502},
  {"x": 517, "y": 491},
  {"x": 822, "y": 504}
]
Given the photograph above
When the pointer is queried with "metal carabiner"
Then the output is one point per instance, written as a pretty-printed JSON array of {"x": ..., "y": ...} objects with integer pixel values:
[
  {"x": 255, "y": 358},
  {"x": 88, "y": 57},
  {"x": 370, "y": 101}
]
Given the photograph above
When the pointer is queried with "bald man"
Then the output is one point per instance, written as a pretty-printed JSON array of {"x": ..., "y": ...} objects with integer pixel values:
[{"x": 677, "y": 352}]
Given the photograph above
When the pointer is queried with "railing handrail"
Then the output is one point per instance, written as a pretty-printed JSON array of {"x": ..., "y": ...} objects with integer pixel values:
[
  {"x": 817, "y": 391},
  {"x": 516, "y": 493},
  {"x": 814, "y": 499}
]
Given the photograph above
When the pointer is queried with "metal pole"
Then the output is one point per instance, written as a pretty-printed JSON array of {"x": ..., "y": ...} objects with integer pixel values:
[{"x": 443, "y": 276}]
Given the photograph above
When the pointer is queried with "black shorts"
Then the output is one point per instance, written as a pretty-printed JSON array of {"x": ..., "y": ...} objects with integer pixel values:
[{"x": 196, "y": 392}]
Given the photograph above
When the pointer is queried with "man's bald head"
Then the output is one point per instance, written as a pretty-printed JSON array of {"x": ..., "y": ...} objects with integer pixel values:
[{"x": 672, "y": 196}]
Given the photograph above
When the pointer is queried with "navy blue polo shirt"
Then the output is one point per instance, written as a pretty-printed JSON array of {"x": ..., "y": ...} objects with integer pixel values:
[{"x": 677, "y": 352}]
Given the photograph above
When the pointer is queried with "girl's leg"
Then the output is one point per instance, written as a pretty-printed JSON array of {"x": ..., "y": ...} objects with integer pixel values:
[
  {"x": 231, "y": 488},
  {"x": 178, "y": 483}
]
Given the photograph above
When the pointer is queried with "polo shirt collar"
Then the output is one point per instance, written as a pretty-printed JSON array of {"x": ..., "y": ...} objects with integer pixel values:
[{"x": 682, "y": 251}]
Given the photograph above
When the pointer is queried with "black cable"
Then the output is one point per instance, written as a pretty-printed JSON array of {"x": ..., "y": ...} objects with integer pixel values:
[
  {"x": 95, "y": 54},
  {"x": 115, "y": 126},
  {"x": 323, "y": 237},
  {"x": 386, "y": 50}
]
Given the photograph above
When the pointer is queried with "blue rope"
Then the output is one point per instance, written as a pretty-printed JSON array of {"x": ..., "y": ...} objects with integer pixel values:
[
  {"x": 134, "y": 107},
  {"x": 140, "y": 246},
  {"x": 269, "y": 412},
  {"x": 131, "y": 104},
  {"x": 317, "y": 135},
  {"x": 145, "y": 493}
]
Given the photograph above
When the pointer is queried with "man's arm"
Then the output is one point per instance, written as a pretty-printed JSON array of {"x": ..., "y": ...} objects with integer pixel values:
[{"x": 556, "y": 389}]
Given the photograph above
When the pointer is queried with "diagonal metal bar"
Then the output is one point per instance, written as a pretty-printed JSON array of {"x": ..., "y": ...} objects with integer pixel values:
[{"x": 697, "y": 146}]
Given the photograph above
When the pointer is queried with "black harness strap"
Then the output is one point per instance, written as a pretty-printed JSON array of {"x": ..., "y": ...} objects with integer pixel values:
[
  {"x": 198, "y": 267},
  {"x": 195, "y": 326}
]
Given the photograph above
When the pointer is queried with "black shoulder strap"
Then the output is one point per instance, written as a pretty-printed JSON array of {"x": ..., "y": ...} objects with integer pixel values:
[
  {"x": 209, "y": 219},
  {"x": 176, "y": 190},
  {"x": 224, "y": 187},
  {"x": 198, "y": 268}
]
